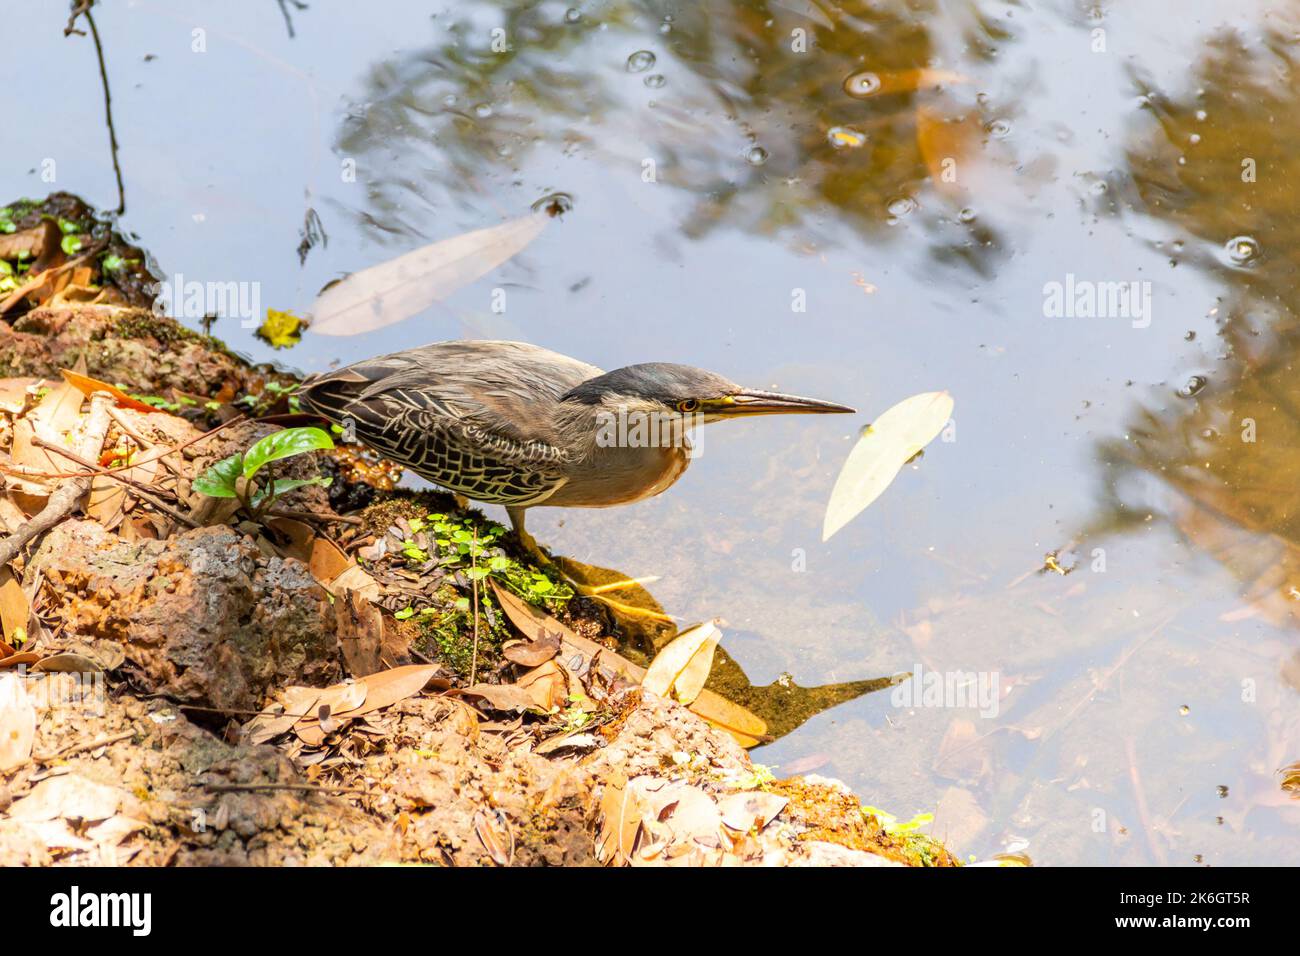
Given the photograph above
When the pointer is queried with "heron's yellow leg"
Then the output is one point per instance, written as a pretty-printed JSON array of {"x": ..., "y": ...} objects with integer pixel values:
[{"x": 595, "y": 592}]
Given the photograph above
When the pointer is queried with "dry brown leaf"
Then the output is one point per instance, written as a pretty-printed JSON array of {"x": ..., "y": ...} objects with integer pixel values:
[
  {"x": 67, "y": 796},
  {"x": 29, "y": 242},
  {"x": 532, "y": 653},
  {"x": 109, "y": 499},
  {"x": 683, "y": 666},
  {"x": 355, "y": 578},
  {"x": 751, "y": 810},
  {"x": 390, "y": 686},
  {"x": 360, "y": 628},
  {"x": 298, "y": 702},
  {"x": 14, "y": 393},
  {"x": 56, "y": 415},
  {"x": 17, "y": 723},
  {"x": 579, "y": 653},
  {"x": 89, "y": 386},
  {"x": 493, "y": 831},
  {"x": 621, "y": 812},
  {"x": 15, "y": 609},
  {"x": 547, "y": 686},
  {"x": 507, "y": 697},
  {"x": 67, "y": 664},
  {"x": 14, "y": 660}
]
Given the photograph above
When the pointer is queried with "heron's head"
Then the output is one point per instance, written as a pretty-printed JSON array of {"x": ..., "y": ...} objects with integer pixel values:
[{"x": 664, "y": 388}]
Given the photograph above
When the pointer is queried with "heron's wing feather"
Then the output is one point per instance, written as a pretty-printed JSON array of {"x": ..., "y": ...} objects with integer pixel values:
[{"x": 474, "y": 417}]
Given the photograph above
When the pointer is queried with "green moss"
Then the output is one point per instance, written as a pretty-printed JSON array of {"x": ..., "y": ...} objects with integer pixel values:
[{"x": 139, "y": 324}]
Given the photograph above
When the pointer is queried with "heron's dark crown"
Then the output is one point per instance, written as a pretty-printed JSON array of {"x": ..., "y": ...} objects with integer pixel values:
[{"x": 657, "y": 381}]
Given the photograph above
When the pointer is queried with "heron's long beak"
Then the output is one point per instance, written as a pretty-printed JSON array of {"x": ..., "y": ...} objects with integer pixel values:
[{"x": 753, "y": 402}]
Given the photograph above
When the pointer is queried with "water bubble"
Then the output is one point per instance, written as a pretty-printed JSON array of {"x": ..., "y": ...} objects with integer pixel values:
[
  {"x": 640, "y": 61},
  {"x": 902, "y": 206},
  {"x": 966, "y": 215},
  {"x": 556, "y": 204},
  {"x": 572, "y": 15},
  {"x": 1242, "y": 250},
  {"x": 655, "y": 81},
  {"x": 1190, "y": 336},
  {"x": 999, "y": 129},
  {"x": 862, "y": 85},
  {"x": 1195, "y": 385},
  {"x": 483, "y": 110},
  {"x": 756, "y": 156},
  {"x": 842, "y": 137},
  {"x": 1201, "y": 116}
]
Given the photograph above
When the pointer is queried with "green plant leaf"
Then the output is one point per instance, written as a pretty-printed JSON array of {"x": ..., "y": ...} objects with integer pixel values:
[
  {"x": 284, "y": 444},
  {"x": 281, "y": 485},
  {"x": 219, "y": 481}
]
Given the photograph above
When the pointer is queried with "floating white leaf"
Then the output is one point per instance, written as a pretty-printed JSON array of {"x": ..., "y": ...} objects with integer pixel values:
[
  {"x": 400, "y": 288},
  {"x": 886, "y": 445},
  {"x": 683, "y": 666}
]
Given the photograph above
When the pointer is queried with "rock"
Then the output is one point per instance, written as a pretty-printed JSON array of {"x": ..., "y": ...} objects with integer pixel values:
[
  {"x": 147, "y": 353},
  {"x": 203, "y": 618}
]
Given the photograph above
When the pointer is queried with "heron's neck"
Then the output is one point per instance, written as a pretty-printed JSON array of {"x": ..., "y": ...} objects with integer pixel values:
[{"x": 616, "y": 427}]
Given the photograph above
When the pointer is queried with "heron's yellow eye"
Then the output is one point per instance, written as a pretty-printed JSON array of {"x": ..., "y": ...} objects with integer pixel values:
[{"x": 688, "y": 405}]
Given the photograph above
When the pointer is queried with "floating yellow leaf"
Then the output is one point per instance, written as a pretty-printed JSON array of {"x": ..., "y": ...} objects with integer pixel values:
[
  {"x": 281, "y": 330},
  {"x": 886, "y": 445}
]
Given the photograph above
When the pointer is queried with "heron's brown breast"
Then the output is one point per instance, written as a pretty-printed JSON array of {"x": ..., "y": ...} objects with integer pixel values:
[{"x": 617, "y": 476}]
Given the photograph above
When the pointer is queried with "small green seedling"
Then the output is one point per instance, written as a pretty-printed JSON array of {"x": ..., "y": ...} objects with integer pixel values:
[{"x": 222, "y": 480}]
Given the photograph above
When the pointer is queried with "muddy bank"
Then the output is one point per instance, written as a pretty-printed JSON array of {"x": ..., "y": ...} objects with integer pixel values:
[{"x": 348, "y": 675}]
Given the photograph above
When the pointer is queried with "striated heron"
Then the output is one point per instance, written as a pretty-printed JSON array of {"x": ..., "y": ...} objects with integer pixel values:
[{"x": 514, "y": 424}]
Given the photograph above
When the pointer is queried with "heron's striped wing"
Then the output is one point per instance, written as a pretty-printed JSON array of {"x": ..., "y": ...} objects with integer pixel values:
[{"x": 417, "y": 430}]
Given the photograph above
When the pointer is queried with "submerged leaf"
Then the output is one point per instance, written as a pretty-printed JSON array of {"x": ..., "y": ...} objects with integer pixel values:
[
  {"x": 886, "y": 445},
  {"x": 400, "y": 288}
]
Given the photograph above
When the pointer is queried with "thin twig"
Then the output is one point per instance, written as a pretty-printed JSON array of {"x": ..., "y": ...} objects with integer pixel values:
[
  {"x": 313, "y": 516},
  {"x": 141, "y": 490},
  {"x": 140, "y": 440},
  {"x": 473, "y": 590},
  {"x": 85, "y": 745},
  {"x": 301, "y": 787},
  {"x": 83, "y": 8}
]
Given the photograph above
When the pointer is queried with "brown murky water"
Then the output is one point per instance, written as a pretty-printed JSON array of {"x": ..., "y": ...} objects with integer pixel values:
[{"x": 731, "y": 162}]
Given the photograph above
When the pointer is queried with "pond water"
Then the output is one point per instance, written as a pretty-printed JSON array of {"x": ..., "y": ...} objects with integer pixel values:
[{"x": 777, "y": 192}]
